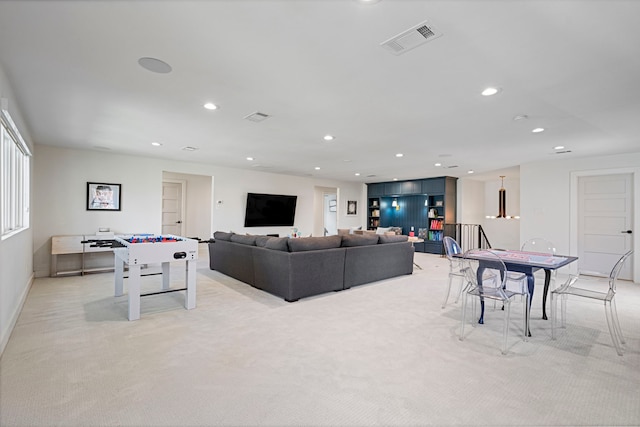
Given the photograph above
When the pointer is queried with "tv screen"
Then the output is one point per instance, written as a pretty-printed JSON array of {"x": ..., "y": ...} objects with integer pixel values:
[{"x": 270, "y": 210}]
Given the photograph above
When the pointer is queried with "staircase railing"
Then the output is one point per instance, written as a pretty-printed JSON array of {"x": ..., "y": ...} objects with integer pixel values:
[{"x": 468, "y": 236}]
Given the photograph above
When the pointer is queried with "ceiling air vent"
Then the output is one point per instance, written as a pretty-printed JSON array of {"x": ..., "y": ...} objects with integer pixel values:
[
  {"x": 257, "y": 117},
  {"x": 411, "y": 38}
]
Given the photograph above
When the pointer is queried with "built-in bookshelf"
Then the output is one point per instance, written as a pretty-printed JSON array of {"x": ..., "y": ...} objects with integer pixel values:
[
  {"x": 373, "y": 213},
  {"x": 424, "y": 207}
]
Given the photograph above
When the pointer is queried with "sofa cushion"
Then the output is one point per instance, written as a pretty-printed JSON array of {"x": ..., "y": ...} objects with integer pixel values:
[
  {"x": 359, "y": 240},
  {"x": 393, "y": 238},
  {"x": 352, "y": 229},
  {"x": 314, "y": 243},
  {"x": 262, "y": 240},
  {"x": 222, "y": 235},
  {"x": 245, "y": 240},
  {"x": 277, "y": 243}
]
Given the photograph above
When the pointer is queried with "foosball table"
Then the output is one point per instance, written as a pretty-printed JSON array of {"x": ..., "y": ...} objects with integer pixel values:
[{"x": 143, "y": 249}]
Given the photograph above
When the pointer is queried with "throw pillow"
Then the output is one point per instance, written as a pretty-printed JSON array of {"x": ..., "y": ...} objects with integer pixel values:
[
  {"x": 277, "y": 243},
  {"x": 245, "y": 240},
  {"x": 262, "y": 240},
  {"x": 397, "y": 230},
  {"x": 222, "y": 235},
  {"x": 352, "y": 229},
  {"x": 382, "y": 230}
]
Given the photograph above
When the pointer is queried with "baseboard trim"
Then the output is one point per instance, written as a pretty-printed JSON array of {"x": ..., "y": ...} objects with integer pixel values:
[{"x": 6, "y": 334}]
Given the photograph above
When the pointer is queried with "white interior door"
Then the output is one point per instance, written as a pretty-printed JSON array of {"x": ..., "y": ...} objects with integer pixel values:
[
  {"x": 605, "y": 215},
  {"x": 172, "y": 208}
]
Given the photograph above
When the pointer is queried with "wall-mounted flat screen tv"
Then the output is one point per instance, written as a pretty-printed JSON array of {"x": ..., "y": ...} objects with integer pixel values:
[{"x": 270, "y": 210}]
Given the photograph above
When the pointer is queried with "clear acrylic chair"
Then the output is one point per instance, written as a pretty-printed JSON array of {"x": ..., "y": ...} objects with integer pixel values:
[
  {"x": 456, "y": 267},
  {"x": 516, "y": 280},
  {"x": 608, "y": 298},
  {"x": 492, "y": 286}
]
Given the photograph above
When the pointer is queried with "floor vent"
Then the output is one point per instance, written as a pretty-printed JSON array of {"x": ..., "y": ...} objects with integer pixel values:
[{"x": 411, "y": 38}]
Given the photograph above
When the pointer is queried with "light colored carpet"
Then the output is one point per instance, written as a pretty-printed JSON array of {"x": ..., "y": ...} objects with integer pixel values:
[{"x": 381, "y": 354}]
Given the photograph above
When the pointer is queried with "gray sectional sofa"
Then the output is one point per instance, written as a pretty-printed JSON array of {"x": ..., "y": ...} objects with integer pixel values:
[{"x": 298, "y": 268}]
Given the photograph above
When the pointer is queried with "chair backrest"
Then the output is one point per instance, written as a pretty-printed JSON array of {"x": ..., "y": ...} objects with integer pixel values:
[
  {"x": 451, "y": 247},
  {"x": 539, "y": 245},
  {"x": 494, "y": 274},
  {"x": 615, "y": 271}
]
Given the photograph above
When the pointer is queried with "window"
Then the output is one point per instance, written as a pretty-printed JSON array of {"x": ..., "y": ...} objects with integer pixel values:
[{"x": 14, "y": 180}]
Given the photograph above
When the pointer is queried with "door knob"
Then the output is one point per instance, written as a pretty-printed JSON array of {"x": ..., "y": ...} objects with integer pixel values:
[
  {"x": 178, "y": 222},
  {"x": 627, "y": 231}
]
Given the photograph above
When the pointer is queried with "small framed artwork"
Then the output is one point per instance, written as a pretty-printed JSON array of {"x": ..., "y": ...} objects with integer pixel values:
[
  {"x": 352, "y": 207},
  {"x": 103, "y": 197}
]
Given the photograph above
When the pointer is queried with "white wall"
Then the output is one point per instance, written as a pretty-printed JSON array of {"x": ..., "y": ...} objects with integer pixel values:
[
  {"x": 16, "y": 268},
  {"x": 479, "y": 198},
  {"x": 502, "y": 233},
  {"x": 546, "y": 198},
  {"x": 60, "y": 178}
]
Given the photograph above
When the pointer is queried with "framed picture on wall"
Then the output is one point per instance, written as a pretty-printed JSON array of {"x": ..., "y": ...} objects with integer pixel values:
[
  {"x": 103, "y": 197},
  {"x": 352, "y": 207}
]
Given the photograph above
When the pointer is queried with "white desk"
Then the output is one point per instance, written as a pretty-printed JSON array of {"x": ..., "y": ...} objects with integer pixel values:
[
  {"x": 135, "y": 254},
  {"x": 72, "y": 245}
]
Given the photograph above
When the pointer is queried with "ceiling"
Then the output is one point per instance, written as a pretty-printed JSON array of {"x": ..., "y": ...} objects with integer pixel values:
[{"x": 316, "y": 67}]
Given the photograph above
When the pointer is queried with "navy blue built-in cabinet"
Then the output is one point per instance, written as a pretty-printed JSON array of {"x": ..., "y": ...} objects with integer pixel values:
[{"x": 425, "y": 206}]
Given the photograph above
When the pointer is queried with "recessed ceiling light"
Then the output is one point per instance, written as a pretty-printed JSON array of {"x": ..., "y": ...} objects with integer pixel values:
[
  {"x": 329, "y": 137},
  {"x": 437, "y": 164},
  {"x": 490, "y": 91},
  {"x": 210, "y": 106},
  {"x": 156, "y": 144},
  {"x": 357, "y": 174},
  {"x": 317, "y": 168},
  {"x": 395, "y": 179},
  {"x": 469, "y": 171},
  {"x": 250, "y": 159},
  {"x": 155, "y": 65},
  {"x": 559, "y": 147},
  {"x": 399, "y": 155},
  {"x": 538, "y": 130}
]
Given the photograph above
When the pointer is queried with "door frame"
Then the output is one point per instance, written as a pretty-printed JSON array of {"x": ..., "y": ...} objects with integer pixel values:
[
  {"x": 183, "y": 202},
  {"x": 573, "y": 209}
]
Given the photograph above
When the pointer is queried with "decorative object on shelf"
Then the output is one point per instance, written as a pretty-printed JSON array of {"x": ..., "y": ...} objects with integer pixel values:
[
  {"x": 374, "y": 203},
  {"x": 352, "y": 207},
  {"x": 103, "y": 197},
  {"x": 438, "y": 202}
]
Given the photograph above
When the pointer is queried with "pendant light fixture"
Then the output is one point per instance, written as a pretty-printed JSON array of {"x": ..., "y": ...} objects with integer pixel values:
[
  {"x": 502, "y": 200},
  {"x": 502, "y": 203}
]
